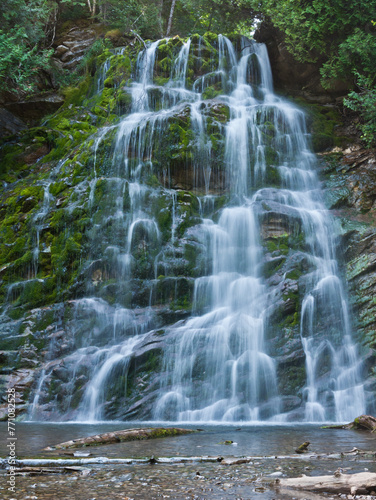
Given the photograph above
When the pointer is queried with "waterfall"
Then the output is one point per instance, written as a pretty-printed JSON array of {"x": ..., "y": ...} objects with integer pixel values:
[{"x": 222, "y": 362}]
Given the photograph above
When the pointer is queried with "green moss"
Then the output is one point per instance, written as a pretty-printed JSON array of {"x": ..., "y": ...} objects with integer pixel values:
[
  {"x": 272, "y": 266},
  {"x": 153, "y": 362},
  {"x": 164, "y": 66},
  {"x": 57, "y": 187},
  {"x": 278, "y": 244},
  {"x": 160, "y": 80},
  {"x": 321, "y": 142},
  {"x": 164, "y": 220},
  {"x": 210, "y": 38},
  {"x": 124, "y": 101},
  {"x": 28, "y": 191},
  {"x": 211, "y": 92},
  {"x": 59, "y": 220},
  {"x": 294, "y": 274},
  {"x": 164, "y": 50},
  {"x": 291, "y": 378},
  {"x": 75, "y": 95},
  {"x": 190, "y": 254},
  {"x": 221, "y": 112},
  {"x": 119, "y": 71},
  {"x": 322, "y": 121}
]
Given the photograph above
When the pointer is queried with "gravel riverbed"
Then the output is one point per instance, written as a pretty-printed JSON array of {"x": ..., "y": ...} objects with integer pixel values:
[{"x": 193, "y": 480}]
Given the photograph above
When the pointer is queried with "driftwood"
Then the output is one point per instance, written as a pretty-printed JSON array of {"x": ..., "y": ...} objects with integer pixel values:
[
  {"x": 236, "y": 461},
  {"x": 43, "y": 471},
  {"x": 362, "y": 483},
  {"x": 77, "y": 462},
  {"x": 119, "y": 436},
  {"x": 364, "y": 422},
  {"x": 361, "y": 423}
]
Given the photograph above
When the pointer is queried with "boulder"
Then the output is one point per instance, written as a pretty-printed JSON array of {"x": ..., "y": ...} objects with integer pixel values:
[
  {"x": 9, "y": 123},
  {"x": 35, "y": 107}
]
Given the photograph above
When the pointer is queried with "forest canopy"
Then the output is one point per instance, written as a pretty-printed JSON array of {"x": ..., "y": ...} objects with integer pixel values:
[{"x": 339, "y": 34}]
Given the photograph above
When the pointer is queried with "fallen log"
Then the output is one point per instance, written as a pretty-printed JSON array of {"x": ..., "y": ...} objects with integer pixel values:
[
  {"x": 364, "y": 422},
  {"x": 76, "y": 462},
  {"x": 361, "y": 423},
  {"x": 361, "y": 483},
  {"x": 236, "y": 461},
  {"x": 119, "y": 436},
  {"x": 43, "y": 471}
]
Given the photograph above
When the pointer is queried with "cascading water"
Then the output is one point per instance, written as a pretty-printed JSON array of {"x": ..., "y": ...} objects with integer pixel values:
[{"x": 219, "y": 364}]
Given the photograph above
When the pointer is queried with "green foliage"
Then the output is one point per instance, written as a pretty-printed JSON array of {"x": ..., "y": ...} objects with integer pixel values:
[
  {"x": 218, "y": 16},
  {"x": 355, "y": 54},
  {"x": 19, "y": 62},
  {"x": 341, "y": 36},
  {"x": 150, "y": 18},
  {"x": 142, "y": 16},
  {"x": 364, "y": 103},
  {"x": 317, "y": 28}
]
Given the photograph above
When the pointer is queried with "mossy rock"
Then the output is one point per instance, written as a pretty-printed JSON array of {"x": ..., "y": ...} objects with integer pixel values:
[{"x": 322, "y": 142}]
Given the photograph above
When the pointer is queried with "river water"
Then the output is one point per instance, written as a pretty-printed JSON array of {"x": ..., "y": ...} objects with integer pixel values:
[
  {"x": 272, "y": 448},
  {"x": 258, "y": 440}
]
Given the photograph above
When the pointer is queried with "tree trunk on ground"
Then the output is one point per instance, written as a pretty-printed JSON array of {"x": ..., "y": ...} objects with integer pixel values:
[
  {"x": 362, "y": 483},
  {"x": 118, "y": 436}
]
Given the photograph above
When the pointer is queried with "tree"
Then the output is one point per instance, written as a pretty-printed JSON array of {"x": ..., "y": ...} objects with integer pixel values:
[
  {"x": 338, "y": 32},
  {"x": 220, "y": 16},
  {"x": 22, "y": 53},
  {"x": 341, "y": 34},
  {"x": 170, "y": 17}
]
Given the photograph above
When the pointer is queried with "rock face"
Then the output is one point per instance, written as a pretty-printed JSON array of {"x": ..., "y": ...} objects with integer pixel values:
[
  {"x": 302, "y": 79},
  {"x": 9, "y": 124},
  {"x": 71, "y": 46},
  {"x": 105, "y": 224},
  {"x": 35, "y": 107},
  {"x": 350, "y": 182}
]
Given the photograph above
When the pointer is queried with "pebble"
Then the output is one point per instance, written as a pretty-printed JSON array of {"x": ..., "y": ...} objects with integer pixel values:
[{"x": 212, "y": 481}]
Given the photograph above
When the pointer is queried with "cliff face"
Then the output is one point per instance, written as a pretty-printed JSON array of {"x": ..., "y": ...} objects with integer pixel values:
[
  {"x": 350, "y": 186},
  {"x": 295, "y": 78},
  {"x": 348, "y": 173},
  {"x": 80, "y": 276}
]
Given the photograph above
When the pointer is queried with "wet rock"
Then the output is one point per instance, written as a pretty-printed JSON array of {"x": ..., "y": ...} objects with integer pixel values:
[
  {"x": 290, "y": 403},
  {"x": 303, "y": 447},
  {"x": 9, "y": 123},
  {"x": 35, "y": 108}
]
